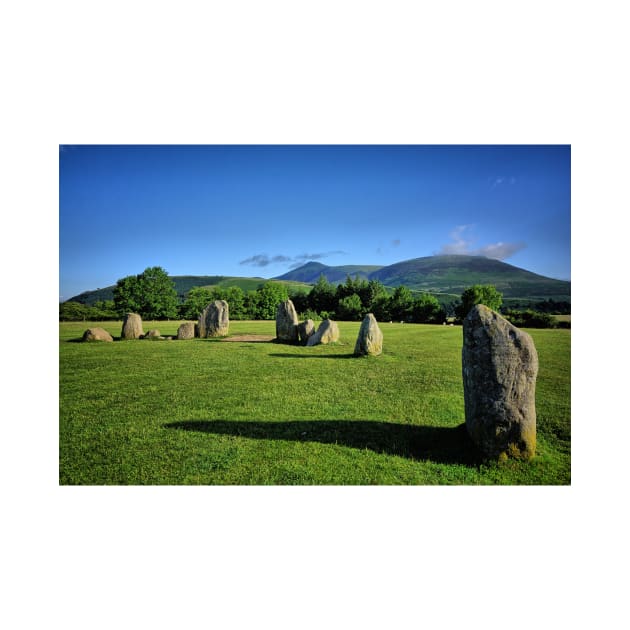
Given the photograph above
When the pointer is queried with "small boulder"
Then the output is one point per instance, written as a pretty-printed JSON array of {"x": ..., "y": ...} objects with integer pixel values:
[
  {"x": 306, "y": 330},
  {"x": 214, "y": 320},
  {"x": 132, "y": 326},
  {"x": 328, "y": 332},
  {"x": 286, "y": 322},
  {"x": 370, "y": 338},
  {"x": 186, "y": 330},
  {"x": 154, "y": 333},
  {"x": 97, "y": 334},
  {"x": 499, "y": 369}
]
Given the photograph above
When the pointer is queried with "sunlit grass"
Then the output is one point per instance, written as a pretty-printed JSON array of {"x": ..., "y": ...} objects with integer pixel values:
[{"x": 211, "y": 412}]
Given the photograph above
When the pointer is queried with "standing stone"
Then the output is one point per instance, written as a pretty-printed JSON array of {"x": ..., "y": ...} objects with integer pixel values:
[
  {"x": 132, "y": 326},
  {"x": 328, "y": 332},
  {"x": 97, "y": 334},
  {"x": 305, "y": 330},
  {"x": 499, "y": 368},
  {"x": 186, "y": 330},
  {"x": 370, "y": 339},
  {"x": 214, "y": 320},
  {"x": 286, "y": 322}
]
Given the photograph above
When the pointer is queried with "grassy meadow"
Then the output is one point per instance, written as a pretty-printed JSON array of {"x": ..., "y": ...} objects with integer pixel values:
[{"x": 207, "y": 411}]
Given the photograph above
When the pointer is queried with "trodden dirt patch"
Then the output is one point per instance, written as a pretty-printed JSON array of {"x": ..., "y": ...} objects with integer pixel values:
[{"x": 254, "y": 338}]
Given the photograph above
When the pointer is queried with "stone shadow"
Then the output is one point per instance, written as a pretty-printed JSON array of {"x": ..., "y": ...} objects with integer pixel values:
[
  {"x": 287, "y": 355},
  {"x": 447, "y": 445}
]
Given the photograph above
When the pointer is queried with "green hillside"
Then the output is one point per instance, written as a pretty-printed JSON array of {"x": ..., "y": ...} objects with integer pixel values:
[
  {"x": 448, "y": 276},
  {"x": 445, "y": 276},
  {"x": 311, "y": 271},
  {"x": 183, "y": 284},
  {"x": 453, "y": 274}
]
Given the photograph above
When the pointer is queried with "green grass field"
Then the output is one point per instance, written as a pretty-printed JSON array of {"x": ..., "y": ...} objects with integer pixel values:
[{"x": 216, "y": 412}]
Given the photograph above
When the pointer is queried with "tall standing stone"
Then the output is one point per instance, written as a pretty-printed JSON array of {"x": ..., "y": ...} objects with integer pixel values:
[
  {"x": 305, "y": 330},
  {"x": 499, "y": 369},
  {"x": 214, "y": 320},
  {"x": 132, "y": 326},
  {"x": 370, "y": 338},
  {"x": 327, "y": 332},
  {"x": 286, "y": 322}
]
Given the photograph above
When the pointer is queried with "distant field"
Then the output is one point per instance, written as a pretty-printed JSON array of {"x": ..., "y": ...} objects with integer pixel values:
[
  {"x": 210, "y": 412},
  {"x": 563, "y": 318}
]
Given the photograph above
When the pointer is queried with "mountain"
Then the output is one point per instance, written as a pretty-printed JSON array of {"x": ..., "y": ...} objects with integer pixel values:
[
  {"x": 446, "y": 275},
  {"x": 311, "y": 271}
]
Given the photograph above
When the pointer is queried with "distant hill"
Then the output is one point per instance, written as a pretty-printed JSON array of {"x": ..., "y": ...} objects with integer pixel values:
[
  {"x": 448, "y": 275},
  {"x": 183, "y": 284},
  {"x": 445, "y": 276},
  {"x": 311, "y": 271}
]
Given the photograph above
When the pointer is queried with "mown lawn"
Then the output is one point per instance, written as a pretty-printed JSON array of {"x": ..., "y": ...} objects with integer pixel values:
[{"x": 216, "y": 412}]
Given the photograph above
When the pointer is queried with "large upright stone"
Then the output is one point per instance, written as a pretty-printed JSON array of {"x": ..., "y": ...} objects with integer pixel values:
[
  {"x": 97, "y": 334},
  {"x": 305, "y": 330},
  {"x": 499, "y": 369},
  {"x": 214, "y": 320},
  {"x": 132, "y": 326},
  {"x": 370, "y": 338},
  {"x": 327, "y": 332},
  {"x": 186, "y": 330},
  {"x": 286, "y": 322}
]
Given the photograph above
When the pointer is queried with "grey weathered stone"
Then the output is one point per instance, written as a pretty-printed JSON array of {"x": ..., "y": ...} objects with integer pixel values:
[
  {"x": 97, "y": 334},
  {"x": 214, "y": 320},
  {"x": 154, "y": 333},
  {"x": 327, "y": 332},
  {"x": 370, "y": 338},
  {"x": 305, "y": 330},
  {"x": 286, "y": 322},
  {"x": 499, "y": 369},
  {"x": 186, "y": 330},
  {"x": 132, "y": 326}
]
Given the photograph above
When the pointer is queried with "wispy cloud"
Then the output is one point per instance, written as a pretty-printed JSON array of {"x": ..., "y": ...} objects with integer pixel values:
[
  {"x": 263, "y": 260},
  {"x": 462, "y": 243},
  {"x": 396, "y": 242},
  {"x": 501, "y": 180}
]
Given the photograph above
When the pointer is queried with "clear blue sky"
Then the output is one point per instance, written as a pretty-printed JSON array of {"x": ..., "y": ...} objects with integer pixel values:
[{"x": 261, "y": 210}]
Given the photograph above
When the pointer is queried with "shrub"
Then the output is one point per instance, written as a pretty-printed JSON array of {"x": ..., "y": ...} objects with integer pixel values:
[{"x": 531, "y": 319}]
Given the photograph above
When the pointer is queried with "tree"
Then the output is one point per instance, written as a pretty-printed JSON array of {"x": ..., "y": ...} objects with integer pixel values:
[
  {"x": 350, "y": 308},
  {"x": 151, "y": 294},
  {"x": 267, "y": 299},
  {"x": 74, "y": 312},
  {"x": 196, "y": 300},
  {"x": 486, "y": 294},
  {"x": 127, "y": 295},
  {"x": 401, "y": 304},
  {"x": 427, "y": 310},
  {"x": 322, "y": 296},
  {"x": 300, "y": 300},
  {"x": 373, "y": 294}
]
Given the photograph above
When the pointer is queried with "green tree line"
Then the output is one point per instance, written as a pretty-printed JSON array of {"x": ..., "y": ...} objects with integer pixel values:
[{"x": 152, "y": 295}]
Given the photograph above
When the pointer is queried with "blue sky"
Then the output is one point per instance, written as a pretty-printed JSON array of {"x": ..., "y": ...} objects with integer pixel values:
[{"x": 261, "y": 210}]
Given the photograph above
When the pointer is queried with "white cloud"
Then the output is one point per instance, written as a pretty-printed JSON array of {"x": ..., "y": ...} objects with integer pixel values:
[{"x": 462, "y": 244}]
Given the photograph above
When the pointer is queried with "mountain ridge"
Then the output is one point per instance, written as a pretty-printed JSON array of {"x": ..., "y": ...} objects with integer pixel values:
[
  {"x": 446, "y": 275},
  {"x": 450, "y": 274}
]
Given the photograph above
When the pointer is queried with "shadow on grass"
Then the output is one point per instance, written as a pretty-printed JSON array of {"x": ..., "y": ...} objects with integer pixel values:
[
  {"x": 448, "y": 445},
  {"x": 312, "y": 356}
]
